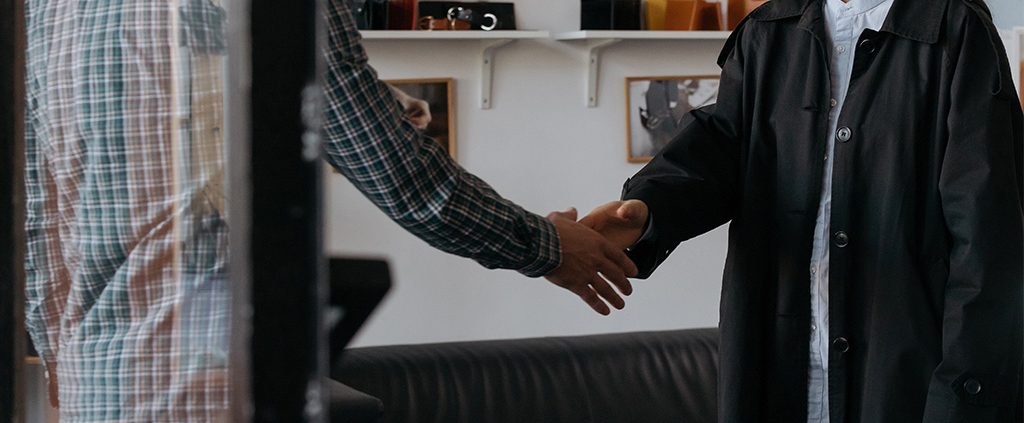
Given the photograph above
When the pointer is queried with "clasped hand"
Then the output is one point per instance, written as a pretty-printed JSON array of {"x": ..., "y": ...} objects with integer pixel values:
[{"x": 593, "y": 252}]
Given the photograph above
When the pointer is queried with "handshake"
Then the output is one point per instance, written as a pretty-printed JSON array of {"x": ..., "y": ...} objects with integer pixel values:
[{"x": 593, "y": 252}]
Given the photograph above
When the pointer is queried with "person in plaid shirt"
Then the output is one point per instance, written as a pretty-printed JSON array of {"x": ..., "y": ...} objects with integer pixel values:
[{"x": 127, "y": 296}]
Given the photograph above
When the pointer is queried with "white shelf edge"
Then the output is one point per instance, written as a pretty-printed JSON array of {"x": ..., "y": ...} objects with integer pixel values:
[
  {"x": 489, "y": 44},
  {"x": 454, "y": 35},
  {"x": 597, "y": 41},
  {"x": 641, "y": 35}
]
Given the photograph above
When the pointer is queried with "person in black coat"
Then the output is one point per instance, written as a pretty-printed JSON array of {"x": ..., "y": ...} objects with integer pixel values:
[{"x": 927, "y": 231}]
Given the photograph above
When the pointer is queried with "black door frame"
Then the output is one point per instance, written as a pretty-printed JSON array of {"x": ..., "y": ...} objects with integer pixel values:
[
  {"x": 12, "y": 97},
  {"x": 283, "y": 255}
]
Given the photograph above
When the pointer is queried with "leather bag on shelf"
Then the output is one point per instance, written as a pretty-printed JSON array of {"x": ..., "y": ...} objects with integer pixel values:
[
  {"x": 402, "y": 14},
  {"x": 693, "y": 15},
  {"x": 739, "y": 9}
]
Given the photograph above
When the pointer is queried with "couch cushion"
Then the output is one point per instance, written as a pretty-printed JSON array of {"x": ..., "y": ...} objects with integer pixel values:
[
  {"x": 633, "y": 377},
  {"x": 351, "y": 406}
]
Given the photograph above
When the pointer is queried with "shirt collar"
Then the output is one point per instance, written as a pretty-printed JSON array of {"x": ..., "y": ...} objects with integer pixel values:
[
  {"x": 853, "y": 7},
  {"x": 919, "y": 20}
]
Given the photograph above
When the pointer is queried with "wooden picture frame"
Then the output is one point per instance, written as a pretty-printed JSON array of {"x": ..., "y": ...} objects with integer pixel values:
[
  {"x": 647, "y": 130},
  {"x": 439, "y": 95}
]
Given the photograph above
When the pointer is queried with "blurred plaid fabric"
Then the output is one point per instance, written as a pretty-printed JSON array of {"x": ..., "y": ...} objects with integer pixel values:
[{"x": 127, "y": 291}]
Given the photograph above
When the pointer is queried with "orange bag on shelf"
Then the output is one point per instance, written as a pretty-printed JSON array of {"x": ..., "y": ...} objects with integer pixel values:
[
  {"x": 693, "y": 15},
  {"x": 738, "y": 9}
]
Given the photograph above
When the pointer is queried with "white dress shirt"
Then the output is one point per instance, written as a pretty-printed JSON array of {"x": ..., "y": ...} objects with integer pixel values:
[{"x": 844, "y": 24}]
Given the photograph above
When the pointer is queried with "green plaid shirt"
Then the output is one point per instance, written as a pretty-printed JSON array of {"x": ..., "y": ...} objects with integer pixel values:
[{"x": 127, "y": 290}]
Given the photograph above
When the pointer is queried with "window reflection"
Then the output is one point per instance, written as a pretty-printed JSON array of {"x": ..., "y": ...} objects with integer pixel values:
[{"x": 127, "y": 291}]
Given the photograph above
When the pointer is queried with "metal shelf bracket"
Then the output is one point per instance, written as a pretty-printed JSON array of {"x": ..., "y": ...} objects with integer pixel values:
[
  {"x": 595, "y": 47},
  {"x": 490, "y": 47}
]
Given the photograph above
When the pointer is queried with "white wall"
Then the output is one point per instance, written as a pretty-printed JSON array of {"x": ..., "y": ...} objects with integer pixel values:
[
  {"x": 543, "y": 148},
  {"x": 1007, "y": 13}
]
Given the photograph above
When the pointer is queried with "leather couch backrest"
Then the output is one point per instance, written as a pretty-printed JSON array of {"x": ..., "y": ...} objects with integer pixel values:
[{"x": 633, "y": 377}]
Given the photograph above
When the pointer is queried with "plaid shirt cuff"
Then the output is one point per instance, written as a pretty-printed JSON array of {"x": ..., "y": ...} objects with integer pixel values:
[{"x": 546, "y": 244}]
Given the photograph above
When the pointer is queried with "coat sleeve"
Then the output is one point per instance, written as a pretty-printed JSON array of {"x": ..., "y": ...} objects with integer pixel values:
[
  {"x": 692, "y": 185},
  {"x": 410, "y": 177},
  {"x": 980, "y": 187}
]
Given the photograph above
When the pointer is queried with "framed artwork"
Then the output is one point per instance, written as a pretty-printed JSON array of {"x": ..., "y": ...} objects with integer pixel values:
[
  {"x": 655, "y": 106},
  {"x": 430, "y": 106}
]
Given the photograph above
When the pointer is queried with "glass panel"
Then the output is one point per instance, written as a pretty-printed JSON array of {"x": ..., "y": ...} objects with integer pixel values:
[{"x": 127, "y": 282}]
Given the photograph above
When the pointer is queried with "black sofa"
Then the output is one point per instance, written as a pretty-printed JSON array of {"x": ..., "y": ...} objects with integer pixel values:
[{"x": 632, "y": 377}]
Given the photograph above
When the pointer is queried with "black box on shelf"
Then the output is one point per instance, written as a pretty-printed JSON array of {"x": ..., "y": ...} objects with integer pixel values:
[
  {"x": 370, "y": 14},
  {"x": 610, "y": 14}
]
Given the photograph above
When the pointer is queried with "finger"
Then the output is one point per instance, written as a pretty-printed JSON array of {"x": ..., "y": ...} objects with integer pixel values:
[
  {"x": 590, "y": 297},
  {"x": 568, "y": 214},
  {"x": 616, "y": 275},
  {"x": 622, "y": 261},
  {"x": 605, "y": 291},
  {"x": 571, "y": 214}
]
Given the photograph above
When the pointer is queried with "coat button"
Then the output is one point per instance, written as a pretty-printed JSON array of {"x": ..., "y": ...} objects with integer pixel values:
[
  {"x": 972, "y": 386},
  {"x": 844, "y": 134},
  {"x": 833, "y": 103},
  {"x": 867, "y": 46},
  {"x": 841, "y": 345},
  {"x": 841, "y": 239}
]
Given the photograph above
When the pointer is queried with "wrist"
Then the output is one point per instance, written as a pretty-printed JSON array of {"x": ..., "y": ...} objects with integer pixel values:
[{"x": 545, "y": 248}]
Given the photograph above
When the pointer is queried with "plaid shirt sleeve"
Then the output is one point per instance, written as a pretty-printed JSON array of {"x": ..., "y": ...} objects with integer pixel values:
[
  {"x": 410, "y": 177},
  {"x": 47, "y": 279}
]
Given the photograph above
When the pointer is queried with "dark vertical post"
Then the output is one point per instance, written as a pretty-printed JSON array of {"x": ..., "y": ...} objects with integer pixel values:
[
  {"x": 288, "y": 357},
  {"x": 12, "y": 101}
]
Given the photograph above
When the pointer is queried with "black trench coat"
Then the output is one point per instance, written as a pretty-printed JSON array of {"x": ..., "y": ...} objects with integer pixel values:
[{"x": 927, "y": 254}]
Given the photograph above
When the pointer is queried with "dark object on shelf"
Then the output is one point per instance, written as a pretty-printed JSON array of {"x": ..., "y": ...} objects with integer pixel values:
[
  {"x": 663, "y": 376},
  {"x": 402, "y": 14},
  {"x": 484, "y": 16},
  {"x": 370, "y": 14},
  {"x": 610, "y": 14}
]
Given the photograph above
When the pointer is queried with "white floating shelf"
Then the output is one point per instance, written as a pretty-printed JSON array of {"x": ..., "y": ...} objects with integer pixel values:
[
  {"x": 642, "y": 35},
  {"x": 454, "y": 35},
  {"x": 490, "y": 43},
  {"x": 597, "y": 41}
]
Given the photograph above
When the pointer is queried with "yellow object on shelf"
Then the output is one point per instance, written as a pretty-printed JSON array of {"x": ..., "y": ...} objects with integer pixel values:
[{"x": 656, "y": 14}]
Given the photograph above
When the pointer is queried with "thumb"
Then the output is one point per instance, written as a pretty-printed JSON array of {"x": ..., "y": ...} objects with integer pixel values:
[{"x": 633, "y": 212}]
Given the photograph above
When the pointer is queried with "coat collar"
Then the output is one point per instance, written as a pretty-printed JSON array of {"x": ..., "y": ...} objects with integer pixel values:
[{"x": 919, "y": 20}]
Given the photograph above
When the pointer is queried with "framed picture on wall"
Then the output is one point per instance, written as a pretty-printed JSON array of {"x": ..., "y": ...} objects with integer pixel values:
[
  {"x": 656, "y": 105},
  {"x": 430, "y": 106}
]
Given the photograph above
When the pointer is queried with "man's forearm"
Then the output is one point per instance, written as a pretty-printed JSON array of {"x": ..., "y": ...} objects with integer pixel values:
[{"x": 410, "y": 177}]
